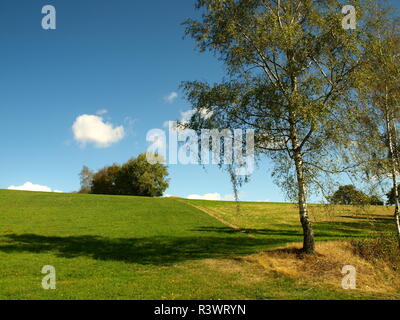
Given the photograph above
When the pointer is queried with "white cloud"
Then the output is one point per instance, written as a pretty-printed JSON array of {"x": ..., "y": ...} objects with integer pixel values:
[
  {"x": 101, "y": 112},
  {"x": 93, "y": 129},
  {"x": 29, "y": 186},
  {"x": 208, "y": 196},
  {"x": 229, "y": 197},
  {"x": 171, "y": 97},
  {"x": 213, "y": 196}
]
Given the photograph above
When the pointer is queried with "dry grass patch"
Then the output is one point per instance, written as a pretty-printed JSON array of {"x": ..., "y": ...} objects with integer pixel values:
[
  {"x": 244, "y": 269},
  {"x": 324, "y": 268}
]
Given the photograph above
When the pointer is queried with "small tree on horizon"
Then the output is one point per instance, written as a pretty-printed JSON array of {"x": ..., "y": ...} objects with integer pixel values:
[{"x": 86, "y": 178}]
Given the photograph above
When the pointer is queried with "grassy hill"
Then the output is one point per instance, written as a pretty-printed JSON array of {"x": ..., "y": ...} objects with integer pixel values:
[{"x": 109, "y": 247}]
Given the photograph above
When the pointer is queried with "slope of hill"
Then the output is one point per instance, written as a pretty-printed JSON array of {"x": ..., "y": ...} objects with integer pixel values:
[{"x": 109, "y": 247}]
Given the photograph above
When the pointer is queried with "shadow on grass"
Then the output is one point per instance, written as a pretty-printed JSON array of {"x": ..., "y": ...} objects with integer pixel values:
[
  {"x": 161, "y": 250},
  {"x": 377, "y": 222},
  {"x": 221, "y": 242},
  {"x": 323, "y": 230},
  {"x": 287, "y": 234}
]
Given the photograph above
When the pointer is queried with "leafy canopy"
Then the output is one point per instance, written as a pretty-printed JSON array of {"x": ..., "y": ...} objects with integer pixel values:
[
  {"x": 349, "y": 195},
  {"x": 290, "y": 70},
  {"x": 136, "y": 177}
]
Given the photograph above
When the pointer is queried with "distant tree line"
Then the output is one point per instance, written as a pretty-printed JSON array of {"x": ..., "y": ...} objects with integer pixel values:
[
  {"x": 349, "y": 195},
  {"x": 136, "y": 177}
]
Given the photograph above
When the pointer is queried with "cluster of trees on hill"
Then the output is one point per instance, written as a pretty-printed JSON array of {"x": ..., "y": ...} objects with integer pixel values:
[
  {"x": 136, "y": 177},
  {"x": 349, "y": 195},
  {"x": 323, "y": 99}
]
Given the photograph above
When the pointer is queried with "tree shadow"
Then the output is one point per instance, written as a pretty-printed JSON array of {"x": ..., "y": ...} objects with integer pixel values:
[
  {"x": 264, "y": 231},
  {"x": 222, "y": 242},
  {"x": 323, "y": 230},
  {"x": 160, "y": 250},
  {"x": 360, "y": 225},
  {"x": 372, "y": 220}
]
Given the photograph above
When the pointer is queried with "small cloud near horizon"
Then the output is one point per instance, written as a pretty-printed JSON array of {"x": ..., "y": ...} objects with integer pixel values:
[
  {"x": 212, "y": 196},
  {"x": 29, "y": 186}
]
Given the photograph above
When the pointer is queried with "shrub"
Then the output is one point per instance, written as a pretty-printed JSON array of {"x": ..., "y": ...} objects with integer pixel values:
[{"x": 384, "y": 248}]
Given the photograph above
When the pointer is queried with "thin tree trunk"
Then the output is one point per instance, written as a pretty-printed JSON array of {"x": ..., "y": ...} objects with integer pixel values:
[
  {"x": 308, "y": 233},
  {"x": 397, "y": 221},
  {"x": 397, "y": 205},
  {"x": 396, "y": 167}
]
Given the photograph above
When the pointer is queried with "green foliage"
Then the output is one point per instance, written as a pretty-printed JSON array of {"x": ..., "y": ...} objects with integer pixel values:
[
  {"x": 391, "y": 196},
  {"x": 374, "y": 200},
  {"x": 376, "y": 109},
  {"x": 290, "y": 71},
  {"x": 349, "y": 195},
  {"x": 105, "y": 181},
  {"x": 136, "y": 177}
]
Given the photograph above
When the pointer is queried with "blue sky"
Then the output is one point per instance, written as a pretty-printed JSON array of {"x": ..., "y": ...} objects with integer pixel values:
[{"x": 122, "y": 56}]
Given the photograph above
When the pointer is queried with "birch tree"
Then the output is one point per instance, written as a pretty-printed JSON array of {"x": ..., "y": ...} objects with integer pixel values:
[
  {"x": 289, "y": 67},
  {"x": 379, "y": 111}
]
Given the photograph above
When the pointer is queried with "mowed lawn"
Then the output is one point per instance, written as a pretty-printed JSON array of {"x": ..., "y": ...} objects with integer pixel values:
[
  {"x": 109, "y": 247},
  {"x": 280, "y": 222}
]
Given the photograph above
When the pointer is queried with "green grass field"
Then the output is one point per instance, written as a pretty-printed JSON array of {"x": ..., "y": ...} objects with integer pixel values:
[{"x": 109, "y": 247}]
